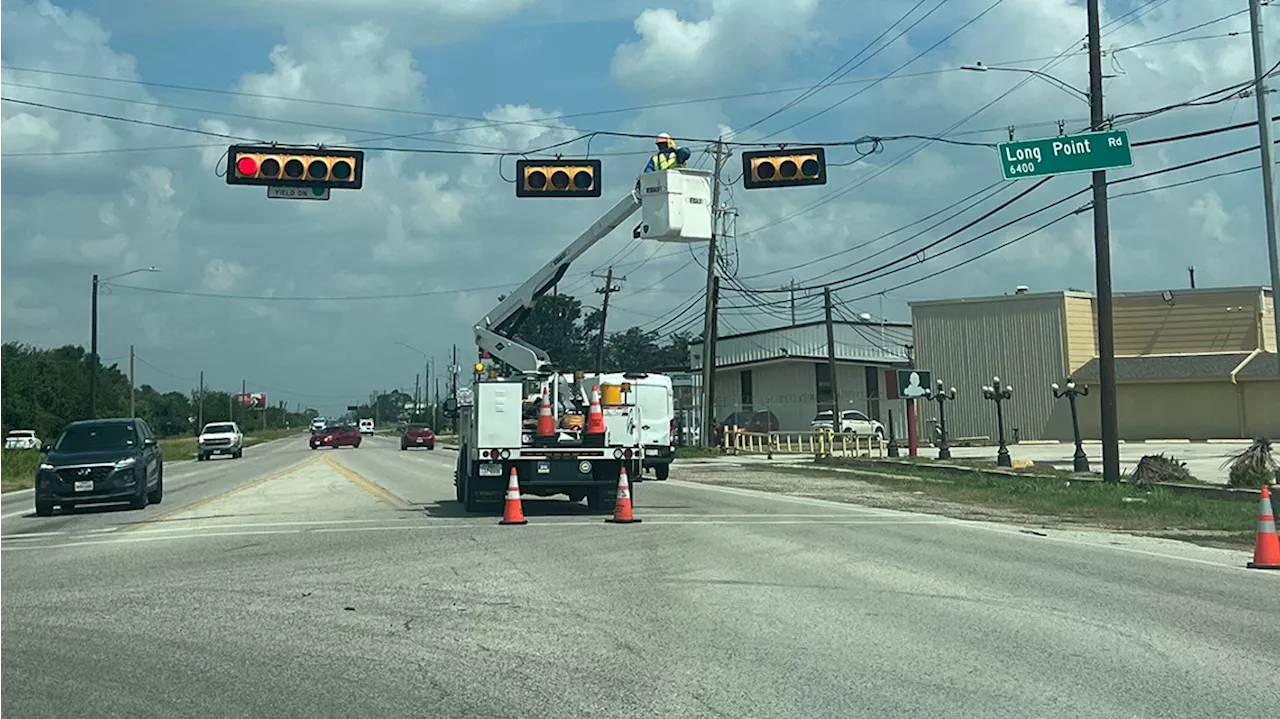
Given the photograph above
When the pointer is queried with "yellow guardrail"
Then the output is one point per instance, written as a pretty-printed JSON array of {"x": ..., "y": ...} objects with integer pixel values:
[{"x": 823, "y": 443}]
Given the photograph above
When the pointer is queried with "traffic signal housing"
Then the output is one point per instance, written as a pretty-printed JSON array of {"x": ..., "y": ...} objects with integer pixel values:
[
  {"x": 295, "y": 167},
  {"x": 784, "y": 168},
  {"x": 557, "y": 178}
]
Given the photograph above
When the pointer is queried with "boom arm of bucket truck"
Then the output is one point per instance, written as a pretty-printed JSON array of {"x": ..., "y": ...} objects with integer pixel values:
[{"x": 495, "y": 333}]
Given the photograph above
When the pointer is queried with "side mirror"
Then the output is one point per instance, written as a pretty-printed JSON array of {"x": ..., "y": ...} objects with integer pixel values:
[
  {"x": 148, "y": 442},
  {"x": 44, "y": 449},
  {"x": 450, "y": 408}
]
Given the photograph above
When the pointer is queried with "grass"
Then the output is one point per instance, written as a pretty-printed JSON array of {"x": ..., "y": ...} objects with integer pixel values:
[
  {"x": 695, "y": 452},
  {"x": 18, "y": 467},
  {"x": 1061, "y": 501}
]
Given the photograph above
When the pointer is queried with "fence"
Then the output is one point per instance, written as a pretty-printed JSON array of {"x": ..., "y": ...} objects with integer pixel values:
[{"x": 823, "y": 443}]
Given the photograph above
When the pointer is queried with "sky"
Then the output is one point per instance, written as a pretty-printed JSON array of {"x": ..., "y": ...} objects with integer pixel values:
[{"x": 115, "y": 166}]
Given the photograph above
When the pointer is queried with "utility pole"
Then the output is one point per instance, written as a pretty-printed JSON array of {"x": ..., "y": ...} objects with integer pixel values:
[
  {"x": 200, "y": 411},
  {"x": 435, "y": 406},
  {"x": 608, "y": 289},
  {"x": 244, "y": 398},
  {"x": 793, "y": 302},
  {"x": 831, "y": 360},
  {"x": 1102, "y": 257},
  {"x": 709, "y": 320},
  {"x": 1191, "y": 270},
  {"x": 93, "y": 352},
  {"x": 1268, "y": 163},
  {"x": 132, "y": 385},
  {"x": 416, "y": 379}
]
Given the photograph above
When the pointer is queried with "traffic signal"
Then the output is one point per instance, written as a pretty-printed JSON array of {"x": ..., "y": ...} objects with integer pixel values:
[
  {"x": 557, "y": 178},
  {"x": 295, "y": 167},
  {"x": 784, "y": 168}
]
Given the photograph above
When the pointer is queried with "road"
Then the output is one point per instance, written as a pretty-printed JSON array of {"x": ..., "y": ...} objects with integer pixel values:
[{"x": 299, "y": 583}]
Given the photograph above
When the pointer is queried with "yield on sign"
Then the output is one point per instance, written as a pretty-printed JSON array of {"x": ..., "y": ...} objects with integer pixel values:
[
  {"x": 297, "y": 193},
  {"x": 1064, "y": 155}
]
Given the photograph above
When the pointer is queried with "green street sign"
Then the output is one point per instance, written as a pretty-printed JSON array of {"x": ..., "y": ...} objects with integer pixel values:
[{"x": 1065, "y": 155}]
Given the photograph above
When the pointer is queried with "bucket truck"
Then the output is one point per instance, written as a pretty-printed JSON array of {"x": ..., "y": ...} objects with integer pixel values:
[{"x": 496, "y": 415}]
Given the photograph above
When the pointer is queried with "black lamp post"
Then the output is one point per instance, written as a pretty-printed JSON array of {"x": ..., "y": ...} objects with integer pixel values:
[
  {"x": 999, "y": 394},
  {"x": 941, "y": 396},
  {"x": 1079, "y": 462}
]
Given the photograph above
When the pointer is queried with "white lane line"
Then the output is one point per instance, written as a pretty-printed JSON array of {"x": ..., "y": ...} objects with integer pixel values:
[
  {"x": 1009, "y": 530},
  {"x": 104, "y": 530},
  {"x": 28, "y": 510},
  {"x": 809, "y": 501},
  {"x": 250, "y": 525},
  {"x": 32, "y": 535},
  {"x": 136, "y": 538}
]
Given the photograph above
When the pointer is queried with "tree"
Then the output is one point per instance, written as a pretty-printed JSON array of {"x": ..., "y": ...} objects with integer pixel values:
[{"x": 555, "y": 326}]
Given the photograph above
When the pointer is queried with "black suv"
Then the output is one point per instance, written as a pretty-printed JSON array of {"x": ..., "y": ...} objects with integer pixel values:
[{"x": 101, "y": 460}]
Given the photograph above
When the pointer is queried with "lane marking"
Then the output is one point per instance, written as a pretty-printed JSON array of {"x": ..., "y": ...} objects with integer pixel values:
[
  {"x": 382, "y": 494},
  {"x": 224, "y": 495},
  {"x": 28, "y": 510},
  {"x": 311, "y": 523},
  {"x": 33, "y": 535},
  {"x": 1009, "y": 530}
]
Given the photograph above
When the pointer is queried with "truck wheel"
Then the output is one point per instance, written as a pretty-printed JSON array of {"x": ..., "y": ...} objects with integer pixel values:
[
  {"x": 239, "y": 453},
  {"x": 661, "y": 471}
]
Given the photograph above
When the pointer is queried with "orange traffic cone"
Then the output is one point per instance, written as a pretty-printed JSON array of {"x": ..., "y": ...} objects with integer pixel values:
[
  {"x": 1266, "y": 552},
  {"x": 595, "y": 415},
  {"x": 622, "y": 507},
  {"x": 546, "y": 423},
  {"x": 513, "y": 513}
]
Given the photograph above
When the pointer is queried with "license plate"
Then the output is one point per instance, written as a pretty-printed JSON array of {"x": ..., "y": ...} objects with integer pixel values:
[
  {"x": 544, "y": 468},
  {"x": 651, "y": 453},
  {"x": 419, "y": 440},
  {"x": 84, "y": 486},
  {"x": 490, "y": 470}
]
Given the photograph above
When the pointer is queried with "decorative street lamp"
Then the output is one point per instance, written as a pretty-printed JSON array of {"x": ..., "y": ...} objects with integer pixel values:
[
  {"x": 1080, "y": 462},
  {"x": 941, "y": 396},
  {"x": 999, "y": 394}
]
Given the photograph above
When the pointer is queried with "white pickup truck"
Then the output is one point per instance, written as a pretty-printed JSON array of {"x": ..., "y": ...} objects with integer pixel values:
[
  {"x": 22, "y": 439},
  {"x": 220, "y": 438}
]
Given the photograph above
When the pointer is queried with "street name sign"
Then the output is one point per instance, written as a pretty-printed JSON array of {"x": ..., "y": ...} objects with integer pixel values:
[
  {"x": 297, "y": 193},
  {"x": 1065, "y": 155}
]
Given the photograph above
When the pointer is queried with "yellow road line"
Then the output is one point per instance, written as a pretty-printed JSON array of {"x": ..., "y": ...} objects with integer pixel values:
[
  {"x": 382, "y": 494},
  {"x": 210, "y": 500}
]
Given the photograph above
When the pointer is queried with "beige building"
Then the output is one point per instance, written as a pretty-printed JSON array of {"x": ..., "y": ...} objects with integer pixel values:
[{"x": 1191, "y": 363}]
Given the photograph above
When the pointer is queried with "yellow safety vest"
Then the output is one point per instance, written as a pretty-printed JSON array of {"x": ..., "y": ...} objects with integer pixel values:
[{"x": 665, "y": 161}]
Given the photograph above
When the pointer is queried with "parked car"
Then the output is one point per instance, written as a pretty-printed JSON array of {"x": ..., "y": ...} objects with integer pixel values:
[
  {"x": 755, "y": 422},
  {"x": 101, "y": 460},
  {"x": 851, "y": 422},
  {"x": 220, "y": 438},
  {"x": 417, "y": 435},
  {"x": 337, "y": 435},
  {"x": 22, "y": 439}
]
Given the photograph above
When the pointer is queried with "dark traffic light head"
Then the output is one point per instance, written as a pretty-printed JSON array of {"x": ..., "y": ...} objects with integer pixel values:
[
  {"x": 295, "y": 167},
  {"x": 784, "y": 168},
  {"x": 557, "y": 178}
]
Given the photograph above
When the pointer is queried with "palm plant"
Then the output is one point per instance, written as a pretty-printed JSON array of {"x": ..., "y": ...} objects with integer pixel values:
[{"x": 1253, "y": 466}]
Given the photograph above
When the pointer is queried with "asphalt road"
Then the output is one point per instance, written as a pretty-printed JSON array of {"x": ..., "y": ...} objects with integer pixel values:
[{"x": 345, "y": 583}]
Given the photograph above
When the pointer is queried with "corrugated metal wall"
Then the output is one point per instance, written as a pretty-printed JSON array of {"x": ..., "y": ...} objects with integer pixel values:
[
  {"x": 789, "y": 390},
  {"x": 1021, "y": 339}
]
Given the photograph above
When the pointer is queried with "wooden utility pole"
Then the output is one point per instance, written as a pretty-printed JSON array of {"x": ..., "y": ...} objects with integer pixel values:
[
  {"x": 831, "y": 360},
  {"x": 793, "y": 302},
  {"x": 417, "y": 379},
  {"x": 608, "y": 289},
  {"x": 200, "y": 410},
  {"x": 132, "y": 385},
  {"x": 244, "y": 399},
  {"x": 709, "y": 320}
]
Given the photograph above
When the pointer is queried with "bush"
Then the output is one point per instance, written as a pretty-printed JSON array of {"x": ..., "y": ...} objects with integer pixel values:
[
  {"x": 1154, "y": 468},
  {"x": 1253, "y": 466}
]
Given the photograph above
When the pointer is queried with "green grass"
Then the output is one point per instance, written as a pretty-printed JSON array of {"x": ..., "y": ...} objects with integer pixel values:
[
  {"x": 1060, "y": 500},
  {"x": 695, "y": 453},
  {"x": 18, "y": 467}
]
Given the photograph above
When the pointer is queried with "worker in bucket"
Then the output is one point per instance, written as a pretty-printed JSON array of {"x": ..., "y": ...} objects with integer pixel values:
[{"x": 667, "y": 157}]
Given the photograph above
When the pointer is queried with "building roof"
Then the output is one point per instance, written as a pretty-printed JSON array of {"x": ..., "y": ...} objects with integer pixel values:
[
  {"x": 855, "y": 342},
  {"x": 1089, "y": 295},
  {"x": 1155, "y": 368}
]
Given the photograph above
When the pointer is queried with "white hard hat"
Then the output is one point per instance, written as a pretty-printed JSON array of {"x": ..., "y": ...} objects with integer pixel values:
[{"x": 664, "y": 137}]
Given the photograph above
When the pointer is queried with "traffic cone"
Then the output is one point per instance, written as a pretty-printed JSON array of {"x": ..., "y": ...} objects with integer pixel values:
[
  {"x": 513, "y": 513},
  {"x": 546, "y": 423},
  {"x": 595, "y": 415},
  {"x": 622, "y": 507},
  {"x": 1266, "y": 551}
]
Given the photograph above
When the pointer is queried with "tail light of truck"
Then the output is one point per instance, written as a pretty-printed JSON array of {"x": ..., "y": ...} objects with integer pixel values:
[{"x": 671, "y": 432}]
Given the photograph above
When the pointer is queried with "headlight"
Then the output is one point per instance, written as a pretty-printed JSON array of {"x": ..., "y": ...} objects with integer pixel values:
[{"x": 126, "y": 463}]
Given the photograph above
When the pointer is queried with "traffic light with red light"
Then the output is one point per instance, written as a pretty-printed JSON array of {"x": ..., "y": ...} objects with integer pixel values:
[
  {"x": 295, "y": 167},
  {"x": 784, "y": 168},
  {"x": 557, "y": 178}
]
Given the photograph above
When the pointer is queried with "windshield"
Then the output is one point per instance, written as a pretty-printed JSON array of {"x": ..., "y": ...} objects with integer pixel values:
[
  {"x": 22, "y": 433},
  {"x": 220, "y": 429},
  {"x": 96, "y": 438},
  {"x": 419, "y": 428}
]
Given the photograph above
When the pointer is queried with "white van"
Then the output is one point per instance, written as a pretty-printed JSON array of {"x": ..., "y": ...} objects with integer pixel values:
[
  {"x": 366, "y": 426},
  {"x": 655, "y": 398}
]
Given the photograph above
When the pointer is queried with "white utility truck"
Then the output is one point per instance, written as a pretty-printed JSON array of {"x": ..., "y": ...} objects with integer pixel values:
[{"x": 497, "y": 416}]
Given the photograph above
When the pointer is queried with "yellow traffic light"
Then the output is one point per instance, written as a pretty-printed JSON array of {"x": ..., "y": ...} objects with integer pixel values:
[
  {"x": 557, "y": 178},
  {"x": 784, "y": 168},
  {"x": 295, "y": 167}
]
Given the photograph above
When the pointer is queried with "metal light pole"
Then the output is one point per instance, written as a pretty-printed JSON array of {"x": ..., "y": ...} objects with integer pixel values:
[
  {"x": 1268, "y": 164},
  {"x": 93, "y": 336},
  {"x": 999, "y": 393},
  {"x": 1079, "y": 462},
  {"x": 941, "y": 395},
  {"x": 1065, "y": 87}
]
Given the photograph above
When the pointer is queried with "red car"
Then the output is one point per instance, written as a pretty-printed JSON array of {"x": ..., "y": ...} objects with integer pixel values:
[
  {"x": 417, "y": 435},
  {"x": 336, "y": 436}
]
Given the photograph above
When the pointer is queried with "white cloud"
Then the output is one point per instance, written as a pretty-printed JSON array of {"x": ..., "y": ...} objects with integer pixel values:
[{"x": 224, "y": 275}]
